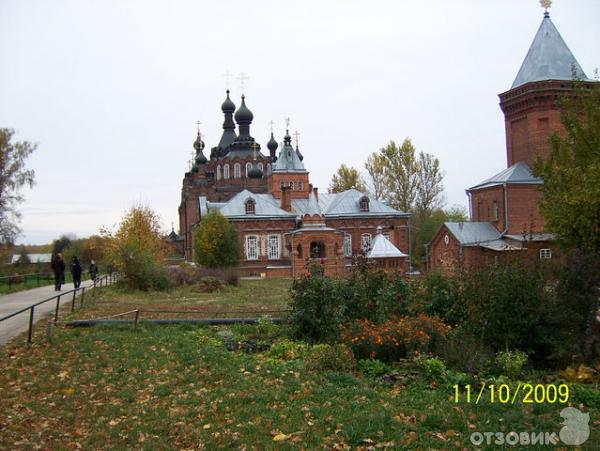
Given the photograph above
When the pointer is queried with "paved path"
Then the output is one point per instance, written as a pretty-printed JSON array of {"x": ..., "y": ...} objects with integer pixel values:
[{"x": 13, "y": 302}]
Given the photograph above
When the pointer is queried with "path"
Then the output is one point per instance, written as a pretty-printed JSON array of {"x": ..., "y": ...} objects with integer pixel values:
[{"x": 13, "y": 302}]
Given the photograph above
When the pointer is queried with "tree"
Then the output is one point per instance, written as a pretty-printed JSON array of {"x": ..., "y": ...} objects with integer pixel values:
[
  {"x": 346, "y": 178},
  {"x": 571, "y": 189},
  {"x": 216, "y": 242},
  {"x": 375, "y": 166},
  {"x": 401, "y": 171},
  {"x": 13, "y": 176},
  {"x": 430, "y": 189}
]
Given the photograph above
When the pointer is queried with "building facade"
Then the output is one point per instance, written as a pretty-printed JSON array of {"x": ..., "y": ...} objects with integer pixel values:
[
  {"x": 283, "y": 222},
  {"x": 505, "y": 221}
]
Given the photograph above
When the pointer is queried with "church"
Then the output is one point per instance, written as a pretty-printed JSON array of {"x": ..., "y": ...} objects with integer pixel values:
[
  {"x": 504, "y": 208},
  {"x": 283, "y": 221}
]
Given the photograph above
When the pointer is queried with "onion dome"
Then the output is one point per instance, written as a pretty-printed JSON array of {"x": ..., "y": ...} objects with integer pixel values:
[
  {"x": 255, "y": 172},
  {"x": 199, "y": 146},
  {"x": 243, "y": 116},
  {"x": 300, "y": 156},
  {"x": 272, "y": 146},
  {"x": 228, "y": 106}
]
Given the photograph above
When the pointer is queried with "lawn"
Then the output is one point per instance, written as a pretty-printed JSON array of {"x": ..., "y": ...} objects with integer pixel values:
[{"x": 183, "y": 387}]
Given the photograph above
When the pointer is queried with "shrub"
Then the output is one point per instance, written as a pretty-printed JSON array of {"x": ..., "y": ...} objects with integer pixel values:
[
  {"x": 435, "y": 295},
  {"x": 373, "y": 367},
  {"x": 511, "y": 363},
  {"x": 140, "y": 271},
  {"x": 460, "y": 349},
  {"x": 324, "y": 357},
  {"x": 208, "y": 285},
  {"x": 216, "y": 242},
  {"x": 288, "y": 350},
  {"x": 433, "y": 368},
  {"x": 317, "y": 309},
  {"x": 188, "y": 274},
  {"x": 394, "y": 339}
]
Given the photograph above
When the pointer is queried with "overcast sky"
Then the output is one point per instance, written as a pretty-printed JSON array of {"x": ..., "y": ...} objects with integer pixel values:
[{"x": 111, "y": 90}]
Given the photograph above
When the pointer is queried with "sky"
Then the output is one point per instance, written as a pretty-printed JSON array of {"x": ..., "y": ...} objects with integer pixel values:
[{"x": 111, "y": 90}]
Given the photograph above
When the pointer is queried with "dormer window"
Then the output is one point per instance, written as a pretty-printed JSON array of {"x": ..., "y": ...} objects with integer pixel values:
[
  {"x": 364, "y": 203},
  {"x": 250, "y": 207}
]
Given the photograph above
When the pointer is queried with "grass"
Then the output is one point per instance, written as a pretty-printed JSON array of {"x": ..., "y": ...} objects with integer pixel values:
[{"x": 178, "y": 387}]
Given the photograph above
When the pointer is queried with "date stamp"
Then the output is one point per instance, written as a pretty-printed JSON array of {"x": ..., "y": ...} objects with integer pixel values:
[{"x": 507, "y": 394}]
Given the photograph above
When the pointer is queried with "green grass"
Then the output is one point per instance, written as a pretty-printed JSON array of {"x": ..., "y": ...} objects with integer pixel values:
[{"x": 177, "y": 387}]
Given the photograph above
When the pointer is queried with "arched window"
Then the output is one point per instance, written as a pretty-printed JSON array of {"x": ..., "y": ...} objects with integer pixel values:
[
  {"x": 300, "y": 185},
  {"x": 366, "y": 242},
  {"x": 348, "y": 245},
  {"x": 268, "y": 168},
  {"x": 248, "y": 167},
  {"x": 237, "y": 171},
  {"x": 250, "y": 206},
  {"x": 226, "y": 171},
  {"x": 317, "y": 249},
  {"x": 495, "y": 210},
  {"x": 364, "y": 203},
  {"x": 219, "y": 172},
  {"x": 292, "y": 186}
]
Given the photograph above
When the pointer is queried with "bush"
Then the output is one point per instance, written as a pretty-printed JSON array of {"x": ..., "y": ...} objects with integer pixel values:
[
  {"x": 435, "y": 295},
  {"x": 394, "y": 339},
  {"x": 324, "y": 357},
  {"x": 188, "y": 274},
  {"x": 462, "y": 350},
  {"x": 317, "y": 309},
  {"x": 216, "y": 242},
  {"x": 208, "y": 285},
  {"x": 433, "y": 368},
  {"x": 511, "y": 363},
  {"x": 288, "y": 350},
  {"x": 373, "y": 367},
  {"x": 140, "y": 271}
]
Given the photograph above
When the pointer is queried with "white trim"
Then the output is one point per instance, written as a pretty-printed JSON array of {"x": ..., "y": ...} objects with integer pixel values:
[
  {"x": 226, "y": 172},
  {"x": 237, "y": 171},
  {"x": 274, "y": 247},
  {"x": 252, "y": 249},
  {"x": 347, "y": 245},
  {"x": 366, "y": 240}
]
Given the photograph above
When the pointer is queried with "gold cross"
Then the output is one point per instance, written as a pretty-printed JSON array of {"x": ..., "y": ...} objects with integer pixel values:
[
  {"x": 242, "y": 78},
  {"x": 546, "y": 4}
]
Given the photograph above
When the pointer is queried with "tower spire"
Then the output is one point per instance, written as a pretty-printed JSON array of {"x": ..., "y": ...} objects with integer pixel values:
[{"x": 229, "y": 135}]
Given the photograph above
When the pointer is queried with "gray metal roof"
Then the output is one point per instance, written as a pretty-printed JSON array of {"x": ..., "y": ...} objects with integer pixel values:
[
  {"x": 473, "y": 233},
  {"x": 384, "y": 248},
  {"x": 501, "y": 245},
  {"x": 548, "y": 58},
  {"x": 288, "y": 160},
  {"x": 265, "y": 206},
  {"x": 518, "y": 173},
  {"x": 347, "y": 203},
  {"x": 312, "y": 206},
  {"x": 534, "y": 236}
]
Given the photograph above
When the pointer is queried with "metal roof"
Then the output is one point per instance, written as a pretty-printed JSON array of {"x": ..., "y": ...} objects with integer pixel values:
[
  {"x": 347, "y": 203},
  {"x": 518, "y": 173},
  {"x": 473, "y": 233},
  {"x": 265, "y": 205},
  {"x": 534, "y": 236},
  {"x": 501, "y": 245},
  {"x": 288, "y": 160},
  {"x": 383, "y": 248},
  {"x": 312, "y": 206},
  {"x": 548, "y": 58}
]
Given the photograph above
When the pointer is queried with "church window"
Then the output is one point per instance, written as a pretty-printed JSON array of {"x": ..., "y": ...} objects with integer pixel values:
[
  {"x": 248, "y": 167},
  {"x": 219, "y": 172},
  {"x": 545, "y": 254},
  {"x": 292, "y": 186},
  {"x": 251, "y": 247},
  {"x": 260, "y": 166},
  {"x": 274, "y": 247},
  {"x": 317, "y": 249},
  {"x": 237, "y": 171},
  {"x": 226, "y": 171},
  {"x": 268, "y": 168},
  {"x": 300, "y": 185},
  {"x": 250, "y": 207},
  {"x": 348, "y": 245},
  {"x": 366, "y": 242},
  {"x": 495, "y": 210},
  {"x": 364, "y": 203}
]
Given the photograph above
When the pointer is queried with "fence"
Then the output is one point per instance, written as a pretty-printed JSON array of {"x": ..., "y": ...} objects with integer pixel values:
[
  {"x": 36, "y": 278},
  {"x": 98, "y": 283}
]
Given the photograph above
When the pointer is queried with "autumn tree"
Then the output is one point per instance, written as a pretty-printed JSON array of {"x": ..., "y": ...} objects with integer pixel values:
[
  {"x": 571, "y": 173},
  {"x": 375, "y": 166},
  {"x": 136, "y": 250},
  {"x": 216, "y": 242},
  {"x": 346, "y": 178},
  {"x": 13, "y": 176}
]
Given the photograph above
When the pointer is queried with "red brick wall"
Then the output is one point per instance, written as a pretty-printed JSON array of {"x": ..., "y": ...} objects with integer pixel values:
[
  {"x": 276, "y": 179},
  {"x": 523, "y": 210},
  {"x": 482, "y": 205}
]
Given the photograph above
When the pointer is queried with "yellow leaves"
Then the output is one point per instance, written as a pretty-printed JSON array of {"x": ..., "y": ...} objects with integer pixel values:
[
  {"x": 63, "y": 375},
  {"x": 69, "y": 391},
  {"x": 207, "y": 426},
  {"x": 583, "y": 374},
  {"x": 281, "y": 437}
]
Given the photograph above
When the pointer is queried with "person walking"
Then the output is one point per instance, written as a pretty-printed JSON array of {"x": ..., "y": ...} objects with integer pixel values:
[
  {"x": 76, "y": 271},
  {"x": 93, "y": 270},
  {"x": 58, "y": 267}
]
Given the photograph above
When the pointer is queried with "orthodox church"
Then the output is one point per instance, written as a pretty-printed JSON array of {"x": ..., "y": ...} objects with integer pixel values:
[
  {"x": 283, "y": 222},
  {"x": 505, "y": 218}
]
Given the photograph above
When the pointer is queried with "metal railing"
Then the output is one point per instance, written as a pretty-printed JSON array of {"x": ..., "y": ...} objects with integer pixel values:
[
  {"x": 38, "y": 277},
  {"x": 98, "y": 283}
]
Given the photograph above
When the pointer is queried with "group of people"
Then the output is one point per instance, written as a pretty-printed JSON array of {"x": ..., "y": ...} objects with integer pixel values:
[{"x": 58, "y": 267}]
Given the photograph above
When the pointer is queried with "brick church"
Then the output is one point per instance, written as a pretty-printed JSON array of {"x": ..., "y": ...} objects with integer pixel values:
[
  {"x": 283, "y": 222},
  {"x": 505, "y": 219}
]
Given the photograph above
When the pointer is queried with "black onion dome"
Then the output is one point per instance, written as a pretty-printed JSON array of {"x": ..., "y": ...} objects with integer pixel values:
[
  {"x": 199, "y": 144},
  {"x": 201, "y": 159},
  {"x": 272, "y": 144},
  {"x": 228, "y": 106},
  {"x": 243, "y": 115},
  {"x": 255, "y": 172}
]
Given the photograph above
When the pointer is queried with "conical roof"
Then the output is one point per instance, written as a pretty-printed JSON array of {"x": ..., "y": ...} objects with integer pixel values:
[
  {"x": 548, "y": 58},
  {"x": 383, "y": 248},
  {"x": 288, "y": 160}
]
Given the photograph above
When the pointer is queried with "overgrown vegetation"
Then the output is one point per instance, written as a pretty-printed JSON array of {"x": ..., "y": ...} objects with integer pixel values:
[{"x": 216, "y": 242}]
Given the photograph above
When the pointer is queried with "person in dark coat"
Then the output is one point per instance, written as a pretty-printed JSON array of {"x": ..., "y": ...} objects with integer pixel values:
[
  {"x": 76, "y": 271},
  {"x": 58, "y": 267},
  {"x": 93, "y": 270}
]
